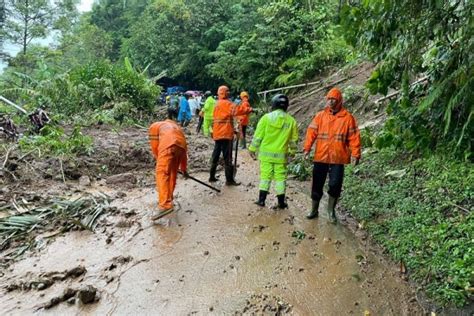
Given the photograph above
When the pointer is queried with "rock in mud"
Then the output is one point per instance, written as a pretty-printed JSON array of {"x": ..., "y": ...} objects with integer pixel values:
[
  {"x": 86, "y": 294},
  {"x": 84, "y": 181},
  {"x": 76, "y": 272},
  {"x": 122, "y": 178}
]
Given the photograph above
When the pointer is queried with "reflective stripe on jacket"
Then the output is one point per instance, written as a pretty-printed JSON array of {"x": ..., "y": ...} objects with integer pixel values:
[
  {"x": 223, "y": 119},
  {"x": 337, "y": 137},
  {"x": 275, "y": 137}
]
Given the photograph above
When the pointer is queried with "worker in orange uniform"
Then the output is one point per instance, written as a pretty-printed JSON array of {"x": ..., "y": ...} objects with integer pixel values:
[
  {"x": 223, "y": 133},
  {"x": 337, "y": 143},
  {"x": 169, "y": 148},
  {"x": 244, "y": 119}
]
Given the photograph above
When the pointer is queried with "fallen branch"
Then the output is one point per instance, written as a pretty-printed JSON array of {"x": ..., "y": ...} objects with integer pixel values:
[
  {"x": 460, "y": 207},
  {"x": 391, "y": 95}
]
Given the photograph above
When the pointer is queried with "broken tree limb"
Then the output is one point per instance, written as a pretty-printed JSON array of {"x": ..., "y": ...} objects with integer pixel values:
[
  {"x": 395, "y": 93},
  {"x": 19, "y": 108}
]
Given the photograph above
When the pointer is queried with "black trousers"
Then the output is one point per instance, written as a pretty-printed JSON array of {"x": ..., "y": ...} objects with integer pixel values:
[
  {"x": 223, "y": 146},
  {"x": 320, "y": 172},
  {"x": 244, "y": 131}
]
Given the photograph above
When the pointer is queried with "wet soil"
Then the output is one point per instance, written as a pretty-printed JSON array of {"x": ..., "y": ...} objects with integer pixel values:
[{"x": 218, "y": 254}]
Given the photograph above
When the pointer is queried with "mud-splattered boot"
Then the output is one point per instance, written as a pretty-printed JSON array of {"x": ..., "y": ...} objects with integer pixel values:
[
  {"x": 244, "y": 143},
  {"x": 314, "y": 210},
  {"x": 281, "y": 201},
  {"x": 229, "y": 176},
  {"x": 332, "y": 209},
  {"x": 212, "y": 177},
  {"x": 262, "y": 196}
]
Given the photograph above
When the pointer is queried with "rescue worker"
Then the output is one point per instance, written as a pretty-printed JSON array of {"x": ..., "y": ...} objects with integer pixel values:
[
  {"x": 275, "y": 141},
  {"x": 184, "y": 116},
  {"x": 223, "y": 133},
  {"x": 173, "y": 107},
  {"x": 337, "y": 143},
  {"x": 207, "y": 112},
  {"x": 169, "y": 148},
  {"x": 244, "y": 119}
]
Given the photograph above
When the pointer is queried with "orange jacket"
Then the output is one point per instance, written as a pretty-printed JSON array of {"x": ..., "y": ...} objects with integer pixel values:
[
  {"x": 337, "y": 137},
  {"x": 165, "y": 134},
  {"x": 223, "y": 118},
  {"x": 244, "y": 119}
]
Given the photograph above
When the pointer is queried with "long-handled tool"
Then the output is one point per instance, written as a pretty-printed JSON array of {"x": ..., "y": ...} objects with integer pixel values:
[
  {"x": 236, "y": 152},
  {"x": 201, "y": 182}
]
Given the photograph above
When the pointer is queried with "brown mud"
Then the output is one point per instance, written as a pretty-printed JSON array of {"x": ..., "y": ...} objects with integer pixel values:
[{"x": 218, "y": 254}]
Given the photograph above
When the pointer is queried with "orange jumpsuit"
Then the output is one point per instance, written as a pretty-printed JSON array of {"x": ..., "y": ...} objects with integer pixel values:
[{"x": 168, "y": 146}]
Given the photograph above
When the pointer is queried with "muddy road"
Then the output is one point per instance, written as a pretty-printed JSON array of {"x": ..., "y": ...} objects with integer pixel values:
[{"x": 218, "y": 254}]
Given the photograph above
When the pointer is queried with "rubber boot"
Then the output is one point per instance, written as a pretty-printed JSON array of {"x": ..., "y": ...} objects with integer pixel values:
[
  {"x": 314, "y": 210},
  {"x": 332, "y": 209},
  {"x": 262, "y": 196},
  {"x": 212, "y": 177},
  {"x": 244, "y": 143},
  {"x": 281, "y": 201},
  {"x": 229, "y": 176}
]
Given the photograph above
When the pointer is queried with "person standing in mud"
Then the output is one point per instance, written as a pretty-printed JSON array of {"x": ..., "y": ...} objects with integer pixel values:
[
  {"x": 184, "y": 116},
  {"x": 275, "y": 140},
  {"x": 337, "y": 143},
  {"x": 169, "y": 148},
  {"x": 207, "y": 112},
  {"x": 223, "y": 133},
  {"x": 244, "y": 119}
]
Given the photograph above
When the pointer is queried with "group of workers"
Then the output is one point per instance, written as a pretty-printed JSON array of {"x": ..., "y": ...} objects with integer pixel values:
[{"x": 274, "y": 144}]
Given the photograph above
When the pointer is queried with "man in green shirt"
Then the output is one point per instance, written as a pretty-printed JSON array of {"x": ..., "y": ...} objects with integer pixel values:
[
  {"x": 275, "y": 140},
  {"x": 207, "y": 112}
]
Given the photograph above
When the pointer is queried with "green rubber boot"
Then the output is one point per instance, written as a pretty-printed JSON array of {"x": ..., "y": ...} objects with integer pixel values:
[
  {"x": 314, "y": 210},
  {"x": 332, "y": 209}
]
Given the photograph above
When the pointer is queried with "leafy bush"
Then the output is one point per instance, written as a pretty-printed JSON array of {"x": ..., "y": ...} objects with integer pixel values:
[
  {"x": 54, "y": 141},
  {"x": 434, "y": 114},
  {"x": 420, "y": 210}
]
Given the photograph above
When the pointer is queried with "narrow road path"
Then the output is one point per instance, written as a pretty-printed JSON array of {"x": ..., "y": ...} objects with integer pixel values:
[{"x": 221, "y": 254}]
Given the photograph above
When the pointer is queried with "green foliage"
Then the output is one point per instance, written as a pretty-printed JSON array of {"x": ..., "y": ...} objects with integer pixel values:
[
  {"x": 420, "y": 210},
  {"x": 413, "y": 39},
  {"x": 248, "y": 45},
  {"x": 300, "y": 168},
  {"x": 54, "y": 141},
  {"x": 88, "y": 88}
]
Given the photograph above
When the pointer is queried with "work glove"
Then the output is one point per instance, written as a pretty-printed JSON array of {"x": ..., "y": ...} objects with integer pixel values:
[
  {"x": 355, "y": 161},
  {"x": 253, "y": 155},
  {"x": 306, "y": 156},
  {"x": 185, "y": 174}
]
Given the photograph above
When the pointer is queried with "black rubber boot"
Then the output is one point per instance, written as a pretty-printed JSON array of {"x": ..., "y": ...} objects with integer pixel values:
[
  {"x": 332, "y": 209},
  {"x": 212, "y": 177},
  {"x": 229, "y": 176},
  {"x": 281, "y": 201},
  {"x": 314, "y": 210},
  {"x": 244, "y": 143},
  {"x": 262, "y": 196}
]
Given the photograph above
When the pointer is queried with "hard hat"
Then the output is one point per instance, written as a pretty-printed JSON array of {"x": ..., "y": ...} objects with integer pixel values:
[{"x": 244, "y": 94}]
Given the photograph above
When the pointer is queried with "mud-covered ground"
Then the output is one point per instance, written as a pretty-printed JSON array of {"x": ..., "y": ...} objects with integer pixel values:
[{"x": 218, "y": 254}]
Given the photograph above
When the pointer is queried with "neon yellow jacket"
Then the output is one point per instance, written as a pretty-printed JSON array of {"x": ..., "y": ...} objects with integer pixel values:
[
  {"x": 208, "y": 108},
  {"x": 275, "y": 137}
]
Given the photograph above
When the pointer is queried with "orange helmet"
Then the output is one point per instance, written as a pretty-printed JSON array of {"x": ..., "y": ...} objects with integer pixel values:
[
  {"x": 244, "y": 94},
  {"x": 223, "y": 92}
]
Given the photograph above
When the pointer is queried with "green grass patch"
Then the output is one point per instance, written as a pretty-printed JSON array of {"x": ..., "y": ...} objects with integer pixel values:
[{"x": 420, "y": 210}]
